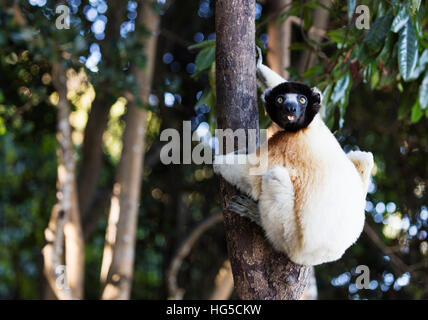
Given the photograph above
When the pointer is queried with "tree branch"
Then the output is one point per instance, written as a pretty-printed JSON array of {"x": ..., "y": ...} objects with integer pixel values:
[{"x": 174, "y": 291}]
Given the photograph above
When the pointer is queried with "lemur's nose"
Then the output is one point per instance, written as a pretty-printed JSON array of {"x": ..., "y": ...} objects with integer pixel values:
[{"x": 291, "y": 106}]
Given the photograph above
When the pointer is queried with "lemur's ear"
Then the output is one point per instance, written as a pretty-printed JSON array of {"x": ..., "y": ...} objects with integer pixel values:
[
  {"x": 265, "y": 94},
  {"x": 317, "y": 95}
]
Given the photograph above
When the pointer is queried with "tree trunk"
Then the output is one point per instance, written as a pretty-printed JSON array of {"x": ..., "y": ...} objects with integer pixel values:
[
  {"x": 321, "y": 17},
  {"x": 259, "y": 272},
  {"x": 119, "y": 249},
  {"x": 92, "y": 152},
  {"x": 279, "y": 40},
  {"x": 64, "y": 226},
  {"x": 91, "y": 164}
]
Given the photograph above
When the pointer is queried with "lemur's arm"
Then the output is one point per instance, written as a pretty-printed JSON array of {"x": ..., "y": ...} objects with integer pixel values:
[
  {"x": 235, "y": 167},
  {"x": 266, "y": 76}
]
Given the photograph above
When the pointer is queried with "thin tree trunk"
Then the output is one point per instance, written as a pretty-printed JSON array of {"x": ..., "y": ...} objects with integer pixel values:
[
  {"x": 92, "y": 152},
  {"x": 64, "y": 225},
  {"x": 321, "y": 17},
  {"x": 279, "y": 40},
  {"x": 119, "y": 250},
  {"x": 259, "y": 272},
  {"x": 91, "y": 163}
]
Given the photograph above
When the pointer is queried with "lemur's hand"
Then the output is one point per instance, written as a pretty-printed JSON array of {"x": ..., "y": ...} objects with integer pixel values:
[{"x": 259, "y": 56}]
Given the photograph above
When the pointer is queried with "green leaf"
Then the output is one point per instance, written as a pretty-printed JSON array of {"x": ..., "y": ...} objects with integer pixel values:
[
  {"x": 327, "y": 106},
  {"x": 407, "y": 50},
  {"x": 415, "y": 5},
  {"x": 299, "y": 46},
  {"x": 294, "y": 10},
  {"x": 421, "y": 67},
  {"x": 400, "y": 20},
  {"x": 375, "y": 38},
  {"x": 208, "y": 98},
  {"x": 423, "y": 92},
  {"x": 205, "y": 58},
  {"x": 202, "y": 44},
  {"x": 417, "y": 113},
  {"x": 313, "y": 71},
  {"x": 340, "y": 89},
  {"x": 2, "y": 127},
  {"x": 337, "y": 35},
  {"x": 386, "y": 54}
]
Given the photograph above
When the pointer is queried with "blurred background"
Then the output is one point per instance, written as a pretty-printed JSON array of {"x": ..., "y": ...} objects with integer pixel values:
[{"x": 122, "y": 72}]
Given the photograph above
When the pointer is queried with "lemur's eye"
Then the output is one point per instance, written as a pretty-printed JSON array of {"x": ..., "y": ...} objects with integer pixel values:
[
  {"x": 302, "y": 100},
  {"x": 280, "y": 99}
]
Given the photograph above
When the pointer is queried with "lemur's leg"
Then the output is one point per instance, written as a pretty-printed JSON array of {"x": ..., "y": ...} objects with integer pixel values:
[
  {"x": 363, "y": 161},
  {"x": 276, "y": 205}
]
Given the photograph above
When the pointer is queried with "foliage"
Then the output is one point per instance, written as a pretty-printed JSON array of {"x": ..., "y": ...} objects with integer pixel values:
[{"x": 375, "y": 98}]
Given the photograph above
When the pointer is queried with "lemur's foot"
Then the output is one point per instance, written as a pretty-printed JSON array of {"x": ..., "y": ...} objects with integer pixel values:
[{"x": 245, "y": 207}]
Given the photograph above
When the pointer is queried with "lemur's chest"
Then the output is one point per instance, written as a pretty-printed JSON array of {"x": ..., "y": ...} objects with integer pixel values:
[{"x": 305, "y": 159}]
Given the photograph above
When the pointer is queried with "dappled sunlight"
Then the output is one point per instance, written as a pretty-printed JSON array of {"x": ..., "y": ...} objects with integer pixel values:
[{"x": 112, "y": 137}]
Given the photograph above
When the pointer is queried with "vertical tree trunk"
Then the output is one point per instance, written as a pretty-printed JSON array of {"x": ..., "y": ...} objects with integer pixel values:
[
  {"x": 92, "y": 151},
  {"x": 279, "y": 40},
  {"x": 64, "y": 224},
  {"x": 119, "y": 250},
  {"x": 98, "y": 117},
  {"x": 321, "y": 17},
  {"x": 259, "y": 272}
]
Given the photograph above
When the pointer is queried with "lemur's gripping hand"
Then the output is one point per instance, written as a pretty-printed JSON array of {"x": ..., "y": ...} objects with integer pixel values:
[
  {"x": 259, "y": 57},
  {"x": 245, "y": 207}
]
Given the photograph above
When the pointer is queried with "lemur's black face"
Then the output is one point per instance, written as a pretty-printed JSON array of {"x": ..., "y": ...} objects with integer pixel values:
[{"x": 292, "y": 105}]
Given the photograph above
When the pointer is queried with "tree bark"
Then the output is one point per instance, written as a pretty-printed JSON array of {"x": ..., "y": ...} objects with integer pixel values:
[
  {"x": 119, "y": 249},
  {"x": 259, "y": 272},
  {"x": 64, "y": 224}
]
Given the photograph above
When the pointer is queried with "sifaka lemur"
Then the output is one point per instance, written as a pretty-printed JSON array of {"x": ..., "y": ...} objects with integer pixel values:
[{"x": 311, "y": 200}]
